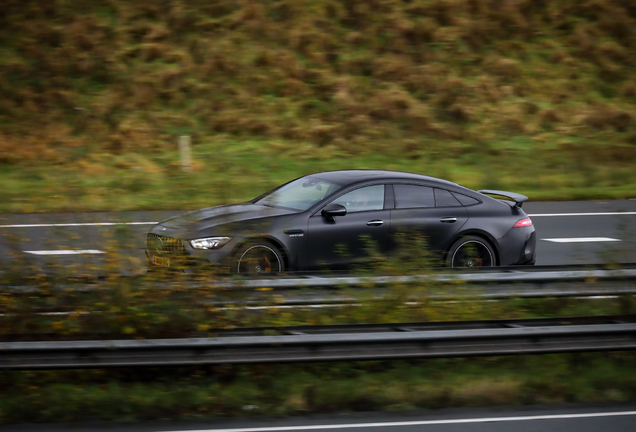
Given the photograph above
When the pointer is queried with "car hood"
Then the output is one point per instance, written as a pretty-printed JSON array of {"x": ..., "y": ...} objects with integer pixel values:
[{"x": 200, "y": 220}]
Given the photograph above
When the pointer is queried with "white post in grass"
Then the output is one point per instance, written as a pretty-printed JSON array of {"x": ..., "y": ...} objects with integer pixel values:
[{"x": 185, "y": 153}]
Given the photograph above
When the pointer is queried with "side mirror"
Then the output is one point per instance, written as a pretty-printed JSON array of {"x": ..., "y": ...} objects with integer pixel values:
[{"x": 333, "y": 210}]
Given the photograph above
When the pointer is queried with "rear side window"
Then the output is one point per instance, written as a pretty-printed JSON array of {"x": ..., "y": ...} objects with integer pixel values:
[
  {"x": 412, "y": 196},
  {"x": 444, "y": 198},
  {"x": 465, "y": 200}
]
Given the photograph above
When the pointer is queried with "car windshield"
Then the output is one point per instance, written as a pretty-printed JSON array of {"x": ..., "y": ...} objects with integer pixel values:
[{"x": 299, "y": 194}]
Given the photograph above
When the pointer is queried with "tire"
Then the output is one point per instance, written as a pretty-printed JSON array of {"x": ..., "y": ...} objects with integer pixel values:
[
  {"x": 257, "y": 258},
  {"x": 471, "y": 251}
]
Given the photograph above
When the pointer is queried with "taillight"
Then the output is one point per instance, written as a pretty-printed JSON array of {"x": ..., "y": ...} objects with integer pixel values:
[{"x": 523, "y": 223}]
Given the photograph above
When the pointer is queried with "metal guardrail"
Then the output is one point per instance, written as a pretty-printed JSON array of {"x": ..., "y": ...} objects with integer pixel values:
[
  {"x": 489, "y": 284},
  {"x": 490, "y": 275},
  {"x": 494, "y": 277},
  {"x": 334, "y": 343}
]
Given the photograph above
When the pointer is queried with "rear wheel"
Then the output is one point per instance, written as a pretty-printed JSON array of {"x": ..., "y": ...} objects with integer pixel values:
[
  {"x": 259, "y": 258},
  {"x": 471, "y": 251}
]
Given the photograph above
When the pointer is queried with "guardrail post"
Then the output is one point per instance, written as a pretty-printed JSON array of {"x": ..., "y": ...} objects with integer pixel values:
[{"x": 185, "y": 153}]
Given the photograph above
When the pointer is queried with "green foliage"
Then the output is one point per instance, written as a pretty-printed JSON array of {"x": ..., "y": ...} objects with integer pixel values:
[
  {"x": 165, "y": 305},
  {"x": 225, "y": 390}
]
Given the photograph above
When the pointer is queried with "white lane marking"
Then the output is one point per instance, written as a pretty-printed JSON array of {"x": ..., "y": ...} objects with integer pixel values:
[
  {"x": 582, "y": 214},
  {"x": 77, "y": 224},
  {"x": 420, "y": 423},
  {"x": 65, "y": 252},
  {"x": 581, "y": 240}
]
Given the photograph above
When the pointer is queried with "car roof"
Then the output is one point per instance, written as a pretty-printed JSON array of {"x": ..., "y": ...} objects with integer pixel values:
[{"x": 347, "y": 177}]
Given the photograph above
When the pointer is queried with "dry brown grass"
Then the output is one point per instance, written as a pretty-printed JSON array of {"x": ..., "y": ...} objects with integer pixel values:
[{"x": 104, "y": 74}]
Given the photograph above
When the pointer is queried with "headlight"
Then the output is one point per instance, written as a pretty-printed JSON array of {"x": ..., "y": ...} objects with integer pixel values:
[{"x": 210, "y": 242}]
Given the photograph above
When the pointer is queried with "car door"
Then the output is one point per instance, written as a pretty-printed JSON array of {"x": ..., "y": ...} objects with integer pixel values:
[
  {"x": 424, "y": 211},
  {"x": 341, "y": 241}
]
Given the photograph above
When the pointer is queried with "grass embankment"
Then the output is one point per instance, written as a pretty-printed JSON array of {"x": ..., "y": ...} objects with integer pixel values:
[
  {"x": 314, "y": 388},
  {"x": 229, "y": 171},
  {"x": 537, "y": 97}
]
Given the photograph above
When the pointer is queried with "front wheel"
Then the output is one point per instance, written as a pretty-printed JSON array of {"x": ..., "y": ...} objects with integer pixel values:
[
  {"x": 259, "y": 258},
  {"x": 471, "y": 251}
]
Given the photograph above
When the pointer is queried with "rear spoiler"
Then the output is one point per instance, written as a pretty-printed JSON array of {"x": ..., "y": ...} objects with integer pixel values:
[{"x": 517, "y": 198}]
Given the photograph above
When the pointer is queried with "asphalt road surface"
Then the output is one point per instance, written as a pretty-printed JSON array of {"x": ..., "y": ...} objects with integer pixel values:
[
  {"x": 620, "y": 418},
  {"x": 568, "y": 233}
]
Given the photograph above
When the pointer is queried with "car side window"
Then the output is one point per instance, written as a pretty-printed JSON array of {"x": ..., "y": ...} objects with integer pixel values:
[
  {"x": 444, "y": 198},
  {"x": 412, "y": 196},
  {"x": 363, "y": 199},
  {"x": 465, "y": 200}
]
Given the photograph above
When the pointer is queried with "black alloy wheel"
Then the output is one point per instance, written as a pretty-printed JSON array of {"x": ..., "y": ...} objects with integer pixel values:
[
  {"x": 259, "y": 258},
  {"x": 471, "y": 251}
]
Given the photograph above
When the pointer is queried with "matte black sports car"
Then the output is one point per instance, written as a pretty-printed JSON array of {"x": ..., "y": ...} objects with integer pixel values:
[{"x": 307, "y": 223}]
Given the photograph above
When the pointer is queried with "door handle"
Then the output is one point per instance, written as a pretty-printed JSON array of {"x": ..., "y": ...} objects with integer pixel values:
[
  {"x": 375, "y": 223},
  {"x": 448, "y": 220}
]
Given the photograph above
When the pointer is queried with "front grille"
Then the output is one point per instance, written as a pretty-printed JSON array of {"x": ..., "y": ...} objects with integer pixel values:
[{"x": 166, "y": 245}]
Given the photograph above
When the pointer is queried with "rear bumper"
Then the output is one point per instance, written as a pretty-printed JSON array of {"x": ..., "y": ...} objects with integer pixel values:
[{"x": 518, "y": 247}]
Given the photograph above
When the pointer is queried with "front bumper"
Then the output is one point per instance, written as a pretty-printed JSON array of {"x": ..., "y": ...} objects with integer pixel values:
[{"x": 167, "y": 250}]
